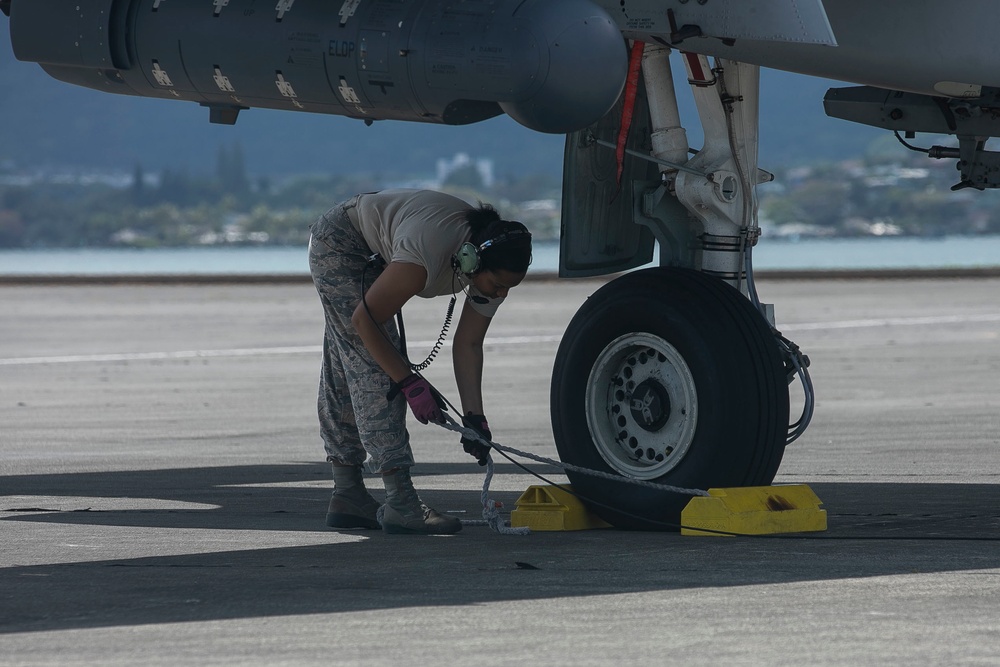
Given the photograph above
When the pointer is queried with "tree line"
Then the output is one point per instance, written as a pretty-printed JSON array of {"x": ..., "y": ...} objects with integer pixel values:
[
  {"x": 880, "y": 193},
  {"x": 179, "y": 207}
]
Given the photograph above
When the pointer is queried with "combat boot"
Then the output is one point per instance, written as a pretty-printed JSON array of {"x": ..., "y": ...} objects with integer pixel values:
[
  {"x": 403, "y": 511},
  {"x": 351, "y": 505}
]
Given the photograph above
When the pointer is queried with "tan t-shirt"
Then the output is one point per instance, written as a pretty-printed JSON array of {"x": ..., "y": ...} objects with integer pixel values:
[{"x": 421, "y": 227}]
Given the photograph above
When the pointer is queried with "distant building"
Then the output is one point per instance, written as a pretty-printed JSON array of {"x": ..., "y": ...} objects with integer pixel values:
[{"x": 483, "y": 166}]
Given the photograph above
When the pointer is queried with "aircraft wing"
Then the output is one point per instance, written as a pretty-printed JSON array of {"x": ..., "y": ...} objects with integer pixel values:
[{"x": 801, "y": 21}]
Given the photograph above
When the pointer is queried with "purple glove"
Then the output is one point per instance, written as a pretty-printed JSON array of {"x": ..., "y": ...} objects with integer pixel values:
[{"x": 420, "y": 396}]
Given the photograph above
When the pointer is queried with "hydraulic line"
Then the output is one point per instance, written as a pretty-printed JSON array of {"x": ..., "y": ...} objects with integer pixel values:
[{"x": 789, "y": 350}]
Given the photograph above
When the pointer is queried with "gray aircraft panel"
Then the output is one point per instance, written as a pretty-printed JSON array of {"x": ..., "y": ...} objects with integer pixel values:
[
  {"x": 920, "y": 46},
  {"x": 803, "y": 21}
]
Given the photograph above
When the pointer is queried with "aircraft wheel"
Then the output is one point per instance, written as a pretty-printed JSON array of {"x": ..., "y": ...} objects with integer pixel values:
[{"x": 671, "y": 376}]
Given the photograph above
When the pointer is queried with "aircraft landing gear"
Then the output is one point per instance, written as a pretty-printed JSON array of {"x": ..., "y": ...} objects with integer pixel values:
[{"x": 671, "y": 376}]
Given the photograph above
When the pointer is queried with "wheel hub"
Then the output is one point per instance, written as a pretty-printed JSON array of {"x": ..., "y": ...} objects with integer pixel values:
[
  {"x": 642, "y": 405},
  {"x": 650, "y": 405}
]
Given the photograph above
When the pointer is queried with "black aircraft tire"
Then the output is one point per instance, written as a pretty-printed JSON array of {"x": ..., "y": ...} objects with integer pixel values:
[{"x": 731, "y": 376}]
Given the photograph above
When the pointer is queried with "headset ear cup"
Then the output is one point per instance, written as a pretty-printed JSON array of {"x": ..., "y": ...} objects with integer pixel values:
[{"x": 467, "y": 258}]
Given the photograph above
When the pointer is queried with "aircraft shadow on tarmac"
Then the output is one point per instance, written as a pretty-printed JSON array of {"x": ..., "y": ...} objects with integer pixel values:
[{"x": 876, "y": 529}]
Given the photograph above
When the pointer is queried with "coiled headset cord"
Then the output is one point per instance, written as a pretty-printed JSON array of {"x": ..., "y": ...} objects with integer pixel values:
[
  {"x": 416, "y": 368},
  {"x": 377, "y": 261}
]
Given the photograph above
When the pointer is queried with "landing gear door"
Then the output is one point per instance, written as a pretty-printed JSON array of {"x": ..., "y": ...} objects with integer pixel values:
[{"x": 598, "y": 234}]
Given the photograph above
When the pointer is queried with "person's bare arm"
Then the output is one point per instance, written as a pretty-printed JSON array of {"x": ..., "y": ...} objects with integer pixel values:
[
  {"x": 467, "y": 357},
  {"x": 398, "y": 283}
]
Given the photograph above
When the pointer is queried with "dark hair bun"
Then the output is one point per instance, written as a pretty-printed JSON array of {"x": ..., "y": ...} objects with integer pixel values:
[{"x": 480, "y": 219}]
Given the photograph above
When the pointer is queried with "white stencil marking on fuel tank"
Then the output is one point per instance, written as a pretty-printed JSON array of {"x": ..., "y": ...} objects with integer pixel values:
[
  {"x": 282, "y": 7},
  {"x": 347, "y": 10},
  {"x": 222, "y": 81},
  {"x": 219, "y": 4},
  {"x": 284, "y": 87},
  {"x": 347, "y": 92},
  {"x": 161, "y": 75},
  {"x": 350, "y": 96}
]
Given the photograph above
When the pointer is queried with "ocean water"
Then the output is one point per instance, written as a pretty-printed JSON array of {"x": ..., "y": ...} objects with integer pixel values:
[{"x": 770, "y": 254}]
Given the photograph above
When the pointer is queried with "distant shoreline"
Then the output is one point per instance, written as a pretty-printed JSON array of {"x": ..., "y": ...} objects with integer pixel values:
[{"x": 964, "y": 273}]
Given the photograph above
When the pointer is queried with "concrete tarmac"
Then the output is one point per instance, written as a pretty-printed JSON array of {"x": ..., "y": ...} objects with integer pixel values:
[{"x": 163, "y": 490}]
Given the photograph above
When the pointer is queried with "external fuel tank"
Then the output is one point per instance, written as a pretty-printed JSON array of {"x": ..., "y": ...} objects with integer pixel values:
[{"x": 553, "y": 65}]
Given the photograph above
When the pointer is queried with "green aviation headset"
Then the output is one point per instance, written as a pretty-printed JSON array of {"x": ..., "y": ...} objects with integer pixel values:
[{"x": 469, "y": 256}]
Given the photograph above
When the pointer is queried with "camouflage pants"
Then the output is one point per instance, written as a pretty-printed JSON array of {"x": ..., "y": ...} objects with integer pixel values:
[{"x": 354, "y": 416}]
